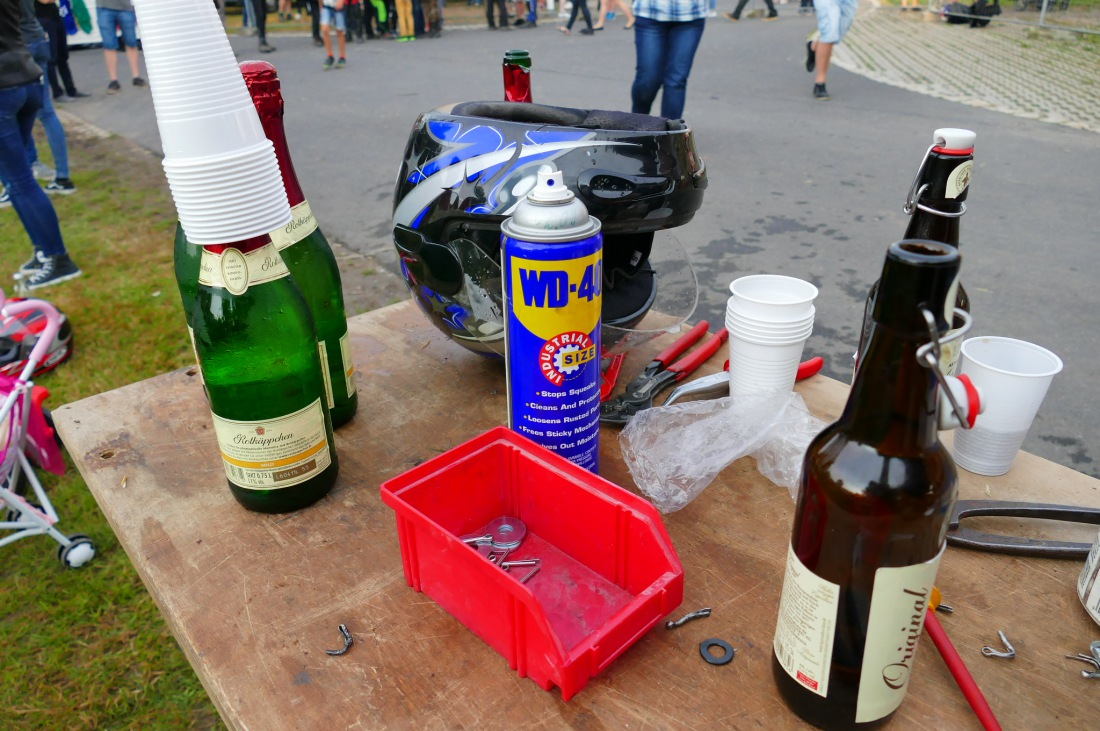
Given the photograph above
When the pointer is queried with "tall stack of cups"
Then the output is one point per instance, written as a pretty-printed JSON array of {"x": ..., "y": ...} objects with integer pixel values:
[
  {"x": 769, "y": 317},
  {"x": 221, "y": 168}
]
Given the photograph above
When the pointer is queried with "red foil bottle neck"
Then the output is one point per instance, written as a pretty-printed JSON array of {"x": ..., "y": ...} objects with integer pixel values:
[
  {"x": 244, "y": 246},
  {"x": 263, "y": 85}
]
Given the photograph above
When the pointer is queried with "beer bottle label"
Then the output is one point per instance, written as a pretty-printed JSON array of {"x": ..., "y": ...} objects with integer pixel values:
[
  {"x": 807, "y": 625},
  {"x": 236, "y": 271},
  {"x": 274, "y": 453},
  {"x": 899, "y": 603},
  {"x": 959, "y": 180},
  {"x": 302, "y": 224},
  {"x": 349, "y": 367}
]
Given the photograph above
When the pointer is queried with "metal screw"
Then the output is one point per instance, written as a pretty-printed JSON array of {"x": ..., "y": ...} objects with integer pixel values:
[
  {"x": 687, "y": 618},
  {"x": 347, "y": 641},
  {"x": 990, "y": 652}
]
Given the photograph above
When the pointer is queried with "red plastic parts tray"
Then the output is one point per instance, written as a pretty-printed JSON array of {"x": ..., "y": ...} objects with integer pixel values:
[{"x": 608, "y": 573}]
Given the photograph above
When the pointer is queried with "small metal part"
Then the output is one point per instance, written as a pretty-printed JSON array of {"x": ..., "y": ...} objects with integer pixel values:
[
  {"x": 529, "y": 574},
  {"x": 523, "y": 562},
  {"x": 945, "y": 608},
  {"x": 506, "y": 532},
  {"x": 1094, "y": 648},
  {"x": 673, "y": 624},
  {"x": 478, "y": 540},
  {"x": 1011, "y": 651},
  {"x": 727, "y": 651},
  {"x": 347, "y": 641}
]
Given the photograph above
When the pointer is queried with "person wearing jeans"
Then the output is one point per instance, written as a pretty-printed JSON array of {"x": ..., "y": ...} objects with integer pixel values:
[
  {"x": 21, "y": 92},
  {"x": 666, "y": 35},
  {"x": 55, "y": 132},
  {"x": 113, "y": 16}
]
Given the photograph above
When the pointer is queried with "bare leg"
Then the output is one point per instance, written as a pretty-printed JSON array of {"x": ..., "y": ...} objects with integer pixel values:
[
  {"x": 823, "y": 52},
  {"x": 111, "y": 57},
  {"x": 625, "y": 7},
  {"x": 132, "y": 57},
  {"x": 326, "y": 36},
  {"x": 341, "y": 41}
]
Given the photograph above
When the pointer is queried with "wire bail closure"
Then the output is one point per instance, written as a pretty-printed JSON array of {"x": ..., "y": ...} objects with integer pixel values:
[
  {"x": 928, "y": 355},
  {"x": 916, "y": 190}
]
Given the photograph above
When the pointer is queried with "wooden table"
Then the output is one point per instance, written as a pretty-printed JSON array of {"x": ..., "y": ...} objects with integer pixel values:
[{"x": 254, "y": 600}]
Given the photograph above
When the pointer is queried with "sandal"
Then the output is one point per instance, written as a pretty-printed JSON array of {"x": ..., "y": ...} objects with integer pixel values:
[
  {"x": 563, "y": 29},
  {"x": 628, "y": 26}
]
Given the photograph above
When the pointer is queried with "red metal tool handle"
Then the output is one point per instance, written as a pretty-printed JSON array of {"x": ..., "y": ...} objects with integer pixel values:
[
  {"x": 683, "y": 343},
  {"x": 690, "y": 363},
  {"x": 809, "y": 368}
]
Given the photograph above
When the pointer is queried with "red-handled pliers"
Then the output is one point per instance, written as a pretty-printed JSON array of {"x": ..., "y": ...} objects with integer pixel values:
[{"x": 661, "y": 373}]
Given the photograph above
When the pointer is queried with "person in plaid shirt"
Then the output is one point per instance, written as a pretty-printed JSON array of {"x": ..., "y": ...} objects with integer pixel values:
[{"x": 666, "y": 34}]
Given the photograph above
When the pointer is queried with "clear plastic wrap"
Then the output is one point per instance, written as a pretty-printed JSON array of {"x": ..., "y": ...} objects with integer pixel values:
[{"x": 673, "y": 452}]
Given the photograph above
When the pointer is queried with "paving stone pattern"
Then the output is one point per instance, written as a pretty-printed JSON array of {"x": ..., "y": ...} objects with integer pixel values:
[{"x": 1038, "y": 74}]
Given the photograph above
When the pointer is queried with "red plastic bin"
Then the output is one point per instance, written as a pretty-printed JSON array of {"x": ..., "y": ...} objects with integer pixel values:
[{"x": 609, "y": 572}]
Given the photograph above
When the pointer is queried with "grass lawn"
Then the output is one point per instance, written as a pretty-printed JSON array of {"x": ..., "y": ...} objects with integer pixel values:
[{"x": 87, "y": 648}]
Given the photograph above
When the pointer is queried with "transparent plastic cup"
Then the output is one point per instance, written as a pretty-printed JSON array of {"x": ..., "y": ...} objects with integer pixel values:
[
  {"x": 1014, "y": 377},
  {"x": 772, "y": 297}
]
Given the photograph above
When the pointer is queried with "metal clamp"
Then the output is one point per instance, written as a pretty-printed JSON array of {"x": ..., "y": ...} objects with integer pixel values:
[
  {"x": 1011, "y": 651},
  {"x": 928, "y": 355},
  {"x": 912, "y": 199}
]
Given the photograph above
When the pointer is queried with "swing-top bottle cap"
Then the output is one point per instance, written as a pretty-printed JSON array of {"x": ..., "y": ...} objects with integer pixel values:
[
  {"x": 953, "y": 138},
  {"x": 550, "y": 213}
]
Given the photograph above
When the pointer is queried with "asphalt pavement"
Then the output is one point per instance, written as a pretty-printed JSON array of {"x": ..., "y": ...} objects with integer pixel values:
[{"x": 800, "y": 187}]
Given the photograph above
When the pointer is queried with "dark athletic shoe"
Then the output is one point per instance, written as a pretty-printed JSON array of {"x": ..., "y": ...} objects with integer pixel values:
[
  {"x": 820, "y": 93},
  {"x": 54, "y": 270},
  {"x": 811, "y": 57}
]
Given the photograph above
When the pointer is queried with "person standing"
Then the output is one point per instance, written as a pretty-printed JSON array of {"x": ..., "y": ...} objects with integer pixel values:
[
  {"x": 834, "y": 18},
  {"x": 21, "y": 92},
  {"x": 38, "y": 43},
  {"x": 332, "y": 14},
  {"x": 114, "y": 16},
  {"x": 503, "y": 7},
  {"x": 666, "y": 36},
  {"x": 582, "y": 6},
  {"x": 259, "y": 16},
  {"x": 406, "y": 28},
  {"x": 49, "y": 17}
]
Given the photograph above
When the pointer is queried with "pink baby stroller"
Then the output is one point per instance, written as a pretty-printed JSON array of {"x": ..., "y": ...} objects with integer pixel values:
[{"x": 26, "y": 436}]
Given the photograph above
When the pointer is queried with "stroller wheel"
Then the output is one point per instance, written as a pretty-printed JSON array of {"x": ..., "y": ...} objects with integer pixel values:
[{"x": 77, "y": 553}]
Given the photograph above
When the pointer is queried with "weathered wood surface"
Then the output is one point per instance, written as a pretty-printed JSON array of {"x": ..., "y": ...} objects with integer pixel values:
[{"x": 254, "y": 600}]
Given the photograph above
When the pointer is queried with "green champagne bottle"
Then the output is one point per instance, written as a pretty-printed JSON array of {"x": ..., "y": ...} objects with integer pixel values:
[
  {"x": 258, "y": 351},
  {"x": 185, "y": 259},
  {"x": 306, "y": 252}
]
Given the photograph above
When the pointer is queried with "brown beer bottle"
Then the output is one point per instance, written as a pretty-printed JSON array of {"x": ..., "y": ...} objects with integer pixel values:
[
  {"x": 870, "y": 524},
  {"x": 936, "y": 202}
]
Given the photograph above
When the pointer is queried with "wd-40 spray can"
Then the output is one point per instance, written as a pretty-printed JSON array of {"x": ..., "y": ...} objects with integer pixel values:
[{"x": 553, "y": 279}]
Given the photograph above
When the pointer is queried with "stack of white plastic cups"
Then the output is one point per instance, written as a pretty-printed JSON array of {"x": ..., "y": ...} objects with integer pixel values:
[
  {"x": 220, "y": 166},
  {"x": 769, "y": 317}
]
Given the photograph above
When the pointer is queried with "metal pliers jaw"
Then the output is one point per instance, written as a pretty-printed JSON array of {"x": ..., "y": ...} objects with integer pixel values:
[
  {"x": 960, "y": 535},
  {"x": 660, "y": 373}
]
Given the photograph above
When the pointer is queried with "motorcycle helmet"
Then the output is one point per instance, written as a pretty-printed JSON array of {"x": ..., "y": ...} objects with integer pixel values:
[
  {"x": 467, "y": 166},
  {"x": 18, "y": 336}
]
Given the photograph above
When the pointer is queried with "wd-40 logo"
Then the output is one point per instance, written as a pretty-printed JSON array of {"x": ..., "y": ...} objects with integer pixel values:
[
  {"x": 554, "y": 297},
  {"x": 563, "y": 356}
]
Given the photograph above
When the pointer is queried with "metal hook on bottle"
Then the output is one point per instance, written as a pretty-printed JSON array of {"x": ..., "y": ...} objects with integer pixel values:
[
  {"x": 1011, "y": 651},
  {"x": 929, "y": 354},
  {"x": 912, "y": 199}
]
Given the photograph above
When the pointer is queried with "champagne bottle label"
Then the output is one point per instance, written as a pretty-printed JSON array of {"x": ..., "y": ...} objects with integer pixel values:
[
  {"x": 807, "y": 625},
  {"x": 323, "y": 350},
  {"x": 899, "y": 603},
  {"x": 236, "y": 272},
  {"x": 302, "y": 224},
  {"x": 274, "y": 453},
  {"x": 349, "y": 367},
  {"x": 959, "y": 179}
]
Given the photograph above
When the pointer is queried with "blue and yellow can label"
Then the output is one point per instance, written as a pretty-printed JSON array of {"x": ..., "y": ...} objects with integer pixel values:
[{"x": 554, "y": 297}]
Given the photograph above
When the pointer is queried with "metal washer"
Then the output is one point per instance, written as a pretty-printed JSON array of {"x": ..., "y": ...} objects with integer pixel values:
[{"x": 727, "y": 651}]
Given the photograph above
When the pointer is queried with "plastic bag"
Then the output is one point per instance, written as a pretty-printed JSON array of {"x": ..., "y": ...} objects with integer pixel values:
[{"x": 674, "y": 452}]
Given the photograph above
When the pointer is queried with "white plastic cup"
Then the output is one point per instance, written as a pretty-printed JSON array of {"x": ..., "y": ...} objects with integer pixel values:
[
  {"x": 1014, "y": 376},
  {"x": 732, "y": 315},
  {"x": 750, "y": 332},
  {"x": 756, "y": 367},
  {"x": 772, "y": 297}
]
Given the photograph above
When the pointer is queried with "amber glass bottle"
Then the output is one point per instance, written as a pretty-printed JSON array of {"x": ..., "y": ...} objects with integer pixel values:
[
  {"x": 871, "y": 519},
  {"x": 306, "y": 251},
  {"x": 935, "y": 204}
]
